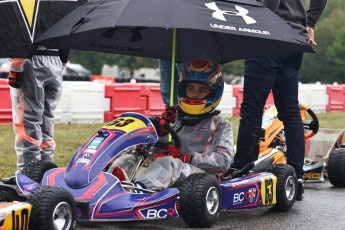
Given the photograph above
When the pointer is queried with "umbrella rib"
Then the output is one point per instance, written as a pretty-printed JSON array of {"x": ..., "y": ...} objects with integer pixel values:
[
  {"x": 85, "y": 19},
  {"x": 118, "y": 18}
]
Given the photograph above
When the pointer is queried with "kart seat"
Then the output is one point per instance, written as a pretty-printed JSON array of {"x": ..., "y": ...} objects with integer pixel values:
[{"x": 120, "y": 174}]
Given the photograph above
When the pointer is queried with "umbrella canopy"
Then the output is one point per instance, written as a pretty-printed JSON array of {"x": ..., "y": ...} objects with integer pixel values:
[
  {"x": 218, "y": 30},
  {"x": 23, "y": 20}
]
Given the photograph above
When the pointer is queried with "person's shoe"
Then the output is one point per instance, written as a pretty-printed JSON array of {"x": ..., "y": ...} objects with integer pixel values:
[
  {"x": 10, "y": 180},
  {"x": 300, "y": 190}
]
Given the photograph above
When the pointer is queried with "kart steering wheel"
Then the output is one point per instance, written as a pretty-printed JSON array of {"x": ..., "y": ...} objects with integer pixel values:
[
  {"x": 159, "y": 123},
  {"x": 313, "y": 124}
]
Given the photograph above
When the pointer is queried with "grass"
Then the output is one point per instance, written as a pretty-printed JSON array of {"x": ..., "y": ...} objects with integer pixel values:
[{"x": 70, "y": 136}]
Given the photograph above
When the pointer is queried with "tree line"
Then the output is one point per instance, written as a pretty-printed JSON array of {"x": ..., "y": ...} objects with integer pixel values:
[{"x": 326, "y": 66}]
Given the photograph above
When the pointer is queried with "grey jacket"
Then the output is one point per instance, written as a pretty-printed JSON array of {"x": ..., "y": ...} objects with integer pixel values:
[{"x": 295, "y": 14}]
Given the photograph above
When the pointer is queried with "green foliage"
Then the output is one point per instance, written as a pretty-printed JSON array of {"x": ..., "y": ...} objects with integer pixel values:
[
  {"x": 328, "y": 65},
  {"x": 235, "y": 68}
]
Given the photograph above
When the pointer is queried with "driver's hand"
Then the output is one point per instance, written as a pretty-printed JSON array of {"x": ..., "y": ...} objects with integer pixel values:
[
  {"x": 169, "y": 114},
  {"x": 161, "y": 131}
]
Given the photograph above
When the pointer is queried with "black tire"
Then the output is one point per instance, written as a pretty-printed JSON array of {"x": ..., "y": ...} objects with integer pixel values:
[
  {"x": 200, "y": 200},
  {"x": 52, "y": 208},
  {"x": 35, "y": 169},
  {"x": 6, "y": 196},
  {"x": 336, "y": 167},
  {"x": 286, "y": 190}
]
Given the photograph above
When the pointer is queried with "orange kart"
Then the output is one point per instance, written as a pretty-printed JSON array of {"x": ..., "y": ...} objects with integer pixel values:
[{"x": 325, "y": 152}]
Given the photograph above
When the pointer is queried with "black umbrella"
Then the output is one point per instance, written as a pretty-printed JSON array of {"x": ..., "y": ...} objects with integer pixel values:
[
  {"x": 22, "y": 20},
  {"x": 218, "y": 30}
]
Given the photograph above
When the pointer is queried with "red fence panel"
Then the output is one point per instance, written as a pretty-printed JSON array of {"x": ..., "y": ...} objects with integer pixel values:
[
  {"x": 5, "y": 103},
  {"x": 336, "y": 98},
  {"x": 124, "y": 98},
  {"x": 238, "y": 95},
  {"x": 155, "y": 104}
]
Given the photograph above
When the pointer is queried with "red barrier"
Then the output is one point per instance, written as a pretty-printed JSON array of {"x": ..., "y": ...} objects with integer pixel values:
[
  {"x": 336, "y": 98},
  {"x": 124, "y": 98},
  {"x": 155, "y": 104},
  {"x": 5, "y": 103},
  {"x": 238, "y": 95}
]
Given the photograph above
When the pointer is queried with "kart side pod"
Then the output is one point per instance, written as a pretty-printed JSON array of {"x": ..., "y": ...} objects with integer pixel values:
[{"x": 250, "y": 191}]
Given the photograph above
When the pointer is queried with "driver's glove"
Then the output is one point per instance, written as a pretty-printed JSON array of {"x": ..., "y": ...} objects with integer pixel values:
[
  {"x": 12, "y": 79},
  {"x": 169, "y": 114}
]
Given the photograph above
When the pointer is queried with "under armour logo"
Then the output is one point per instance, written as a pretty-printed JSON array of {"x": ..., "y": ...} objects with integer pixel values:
[
  {"x": 136, "y": 35},
  {"x": 219, "y": 14}
]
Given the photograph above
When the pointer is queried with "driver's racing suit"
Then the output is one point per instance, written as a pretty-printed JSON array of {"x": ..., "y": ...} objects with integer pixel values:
[{"x": 211, "y": 144}]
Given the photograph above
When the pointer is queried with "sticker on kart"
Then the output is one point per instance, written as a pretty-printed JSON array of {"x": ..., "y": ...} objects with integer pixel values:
[
  {"x": 125, "y": 124},
  {"x": 15, "y": 215},
  {"x": 268, "y": 190}
]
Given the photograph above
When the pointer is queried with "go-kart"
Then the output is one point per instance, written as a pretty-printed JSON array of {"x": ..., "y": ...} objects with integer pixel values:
[
  {"x": 325, "y": 152},
  {"x": 101, "y": 196}
]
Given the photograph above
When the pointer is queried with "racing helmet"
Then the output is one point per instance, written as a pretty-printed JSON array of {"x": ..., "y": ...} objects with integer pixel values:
[{"x": 208, "y": 73}]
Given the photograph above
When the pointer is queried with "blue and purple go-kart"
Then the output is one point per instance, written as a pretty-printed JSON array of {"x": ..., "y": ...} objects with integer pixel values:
[{"x": 101, "y": 196}]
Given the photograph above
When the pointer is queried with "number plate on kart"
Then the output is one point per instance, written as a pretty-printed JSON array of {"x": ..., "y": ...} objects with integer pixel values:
[
  {"x": 268, "y": 190},
  {"x": 125, "y": 124}
]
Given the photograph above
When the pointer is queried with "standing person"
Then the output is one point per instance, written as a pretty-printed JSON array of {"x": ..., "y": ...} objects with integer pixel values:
[
  {"x": 278, "y": 73},
  {"x": 36, "y": 86},
  {"x": 165, "y": 81},
  {"x": 205, "y": 136}
]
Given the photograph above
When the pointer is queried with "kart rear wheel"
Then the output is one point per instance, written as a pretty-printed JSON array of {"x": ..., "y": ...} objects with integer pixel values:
[
  {"x": 336, "y": 167},
  {"x": 35, "y": 169},
  {"x": 200, "y": 200},
  {"x": 53, "y": 208},
  {"x": 286, "y": 190}
]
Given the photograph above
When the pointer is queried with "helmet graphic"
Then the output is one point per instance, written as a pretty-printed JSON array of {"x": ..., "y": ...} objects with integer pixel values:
[{"x": 205, "y": 72}]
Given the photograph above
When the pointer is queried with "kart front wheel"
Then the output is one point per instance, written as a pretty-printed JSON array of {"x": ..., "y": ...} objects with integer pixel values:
[
  {"x": 200, "y": 200},
  {"x": 35, "y": 169},
  {"x": 336, "y": 167},
  {"x": 286, "y": 190},
  {"x": 53, "y": 208}
]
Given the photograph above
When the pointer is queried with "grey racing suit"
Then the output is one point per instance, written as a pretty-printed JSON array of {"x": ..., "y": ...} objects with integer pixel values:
[
  {"x": 211, "y": 144},
  {"x": 40, "y": 82}
]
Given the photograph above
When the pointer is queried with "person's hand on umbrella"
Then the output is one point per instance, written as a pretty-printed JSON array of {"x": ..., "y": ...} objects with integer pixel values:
[
  {"x": 12, "y": 79},
  {"x": 311, "y": 38}
]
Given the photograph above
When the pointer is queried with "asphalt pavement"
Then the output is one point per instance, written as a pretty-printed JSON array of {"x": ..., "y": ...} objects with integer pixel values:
[{"x": 322, "y": 208}]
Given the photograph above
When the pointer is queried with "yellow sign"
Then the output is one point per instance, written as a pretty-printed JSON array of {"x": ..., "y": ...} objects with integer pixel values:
[
  {"x": 268, "y": 190},
  {"x": 16, "y": 215}
]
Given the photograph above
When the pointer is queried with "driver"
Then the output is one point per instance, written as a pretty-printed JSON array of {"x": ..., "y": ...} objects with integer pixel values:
[{"x": 205, "y": 136}]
